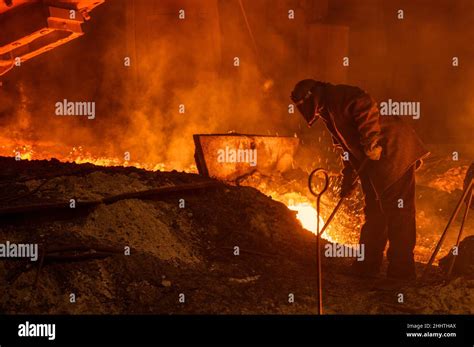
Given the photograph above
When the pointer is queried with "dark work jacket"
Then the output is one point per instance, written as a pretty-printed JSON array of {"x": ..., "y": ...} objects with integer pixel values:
[{"x": 353, "y": 119}]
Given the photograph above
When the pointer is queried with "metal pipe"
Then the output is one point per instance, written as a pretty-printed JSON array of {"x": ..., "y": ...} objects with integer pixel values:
[
  {"x": 464, "y": 217},
  {"x": 443, "y": 235}
]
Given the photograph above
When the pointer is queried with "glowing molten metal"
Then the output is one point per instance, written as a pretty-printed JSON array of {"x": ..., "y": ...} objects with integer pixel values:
[{"x": 307, "y": 215}]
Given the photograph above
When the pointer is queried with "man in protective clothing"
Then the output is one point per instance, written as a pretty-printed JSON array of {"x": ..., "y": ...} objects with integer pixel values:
[{"x": 391, "y": 151}]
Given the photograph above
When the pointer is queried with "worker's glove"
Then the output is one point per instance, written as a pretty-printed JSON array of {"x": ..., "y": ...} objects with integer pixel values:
[
  {"x": 349, "y": 182},
  {"x": 373, "y": 151}
]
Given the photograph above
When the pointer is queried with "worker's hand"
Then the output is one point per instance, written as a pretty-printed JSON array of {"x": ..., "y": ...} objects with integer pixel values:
[
  {"x": 349, "y": 183},
  {"x": 373, "y": 151}
]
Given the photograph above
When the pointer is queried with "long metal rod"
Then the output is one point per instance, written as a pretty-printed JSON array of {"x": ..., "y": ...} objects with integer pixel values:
[
  {"x": 320, "y": 231},
  {"x": 333, "y": 213},
  {"x": 318, "y": 196},
  {"x": 443, "y": 235},
  {"x": 320, "y": 272},
  {"x": 458, "y": 241},
  {"x": 341, "y": 200}
]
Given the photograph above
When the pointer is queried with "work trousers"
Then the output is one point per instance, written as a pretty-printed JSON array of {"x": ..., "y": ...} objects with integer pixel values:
[{"x": 390, "y": 217}]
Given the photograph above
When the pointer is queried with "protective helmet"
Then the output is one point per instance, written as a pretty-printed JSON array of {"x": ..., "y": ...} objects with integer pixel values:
[{"x": 304, "y": 99}]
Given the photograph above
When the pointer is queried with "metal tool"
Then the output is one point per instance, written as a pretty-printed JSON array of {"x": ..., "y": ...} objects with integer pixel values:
[
  {"x": 318, "y": 196},
  {"x": 458, "y": 241},
  {"x": 341, "y": 200},
  {"x": 467, "y": 192}
]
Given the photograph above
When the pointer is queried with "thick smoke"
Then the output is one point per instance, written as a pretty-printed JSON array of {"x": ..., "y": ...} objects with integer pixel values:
[
  {"x": 174, "y": 63},
  {"x": 190, "y": 62}
]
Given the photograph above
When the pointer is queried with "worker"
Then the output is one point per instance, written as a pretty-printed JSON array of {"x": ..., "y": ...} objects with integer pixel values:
[{"x": 387, "y": 152}]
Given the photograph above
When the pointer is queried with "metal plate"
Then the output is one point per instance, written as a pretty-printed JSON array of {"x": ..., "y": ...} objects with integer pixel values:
[{"x": 230, "y": 156}]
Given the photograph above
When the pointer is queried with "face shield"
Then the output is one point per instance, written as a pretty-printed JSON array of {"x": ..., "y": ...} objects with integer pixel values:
[{"x": 307, "y": 107}]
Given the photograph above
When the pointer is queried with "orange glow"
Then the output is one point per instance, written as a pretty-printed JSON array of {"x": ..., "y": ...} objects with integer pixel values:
[
  {"x": 78, "y": 155},
  {"x": 307, "y": 215}
]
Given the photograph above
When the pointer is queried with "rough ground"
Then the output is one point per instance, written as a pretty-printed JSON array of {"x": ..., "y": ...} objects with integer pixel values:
[{"x": 178, "y": 250}]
